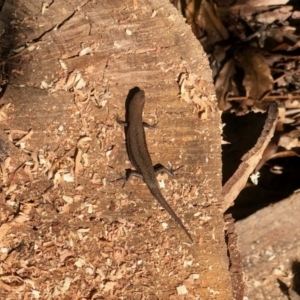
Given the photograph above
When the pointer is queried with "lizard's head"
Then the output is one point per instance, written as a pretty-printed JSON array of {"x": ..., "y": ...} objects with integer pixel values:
[{"x": 139, "y": 98}]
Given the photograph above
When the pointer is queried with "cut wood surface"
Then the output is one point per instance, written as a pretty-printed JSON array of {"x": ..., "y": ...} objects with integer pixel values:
[
  {"x": 269, "y": 246},
  {"x": 68, "y": 228}
]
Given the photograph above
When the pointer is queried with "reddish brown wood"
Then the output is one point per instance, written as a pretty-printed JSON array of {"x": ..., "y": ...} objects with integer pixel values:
[{"x": 91, "y": 238}]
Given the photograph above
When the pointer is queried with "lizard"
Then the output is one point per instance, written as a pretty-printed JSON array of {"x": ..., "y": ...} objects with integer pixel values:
[{"x": 139, "y": 156}]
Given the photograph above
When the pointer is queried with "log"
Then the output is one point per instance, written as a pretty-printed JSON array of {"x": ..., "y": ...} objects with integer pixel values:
[
  {"x": 70, "y": 230},
  {"x": 269, "y": 246}
]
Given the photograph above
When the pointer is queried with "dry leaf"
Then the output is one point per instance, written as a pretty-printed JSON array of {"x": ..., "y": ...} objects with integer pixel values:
[
  {"x": 211, "y": 22},
  {"x": 223, "y": 83},
  {"x": 258, "y": 80},
  {"x": 281, "y": 14}
]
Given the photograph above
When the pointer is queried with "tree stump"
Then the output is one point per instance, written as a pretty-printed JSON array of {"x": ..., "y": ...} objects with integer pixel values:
[{"x": 68, "y": 228}]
